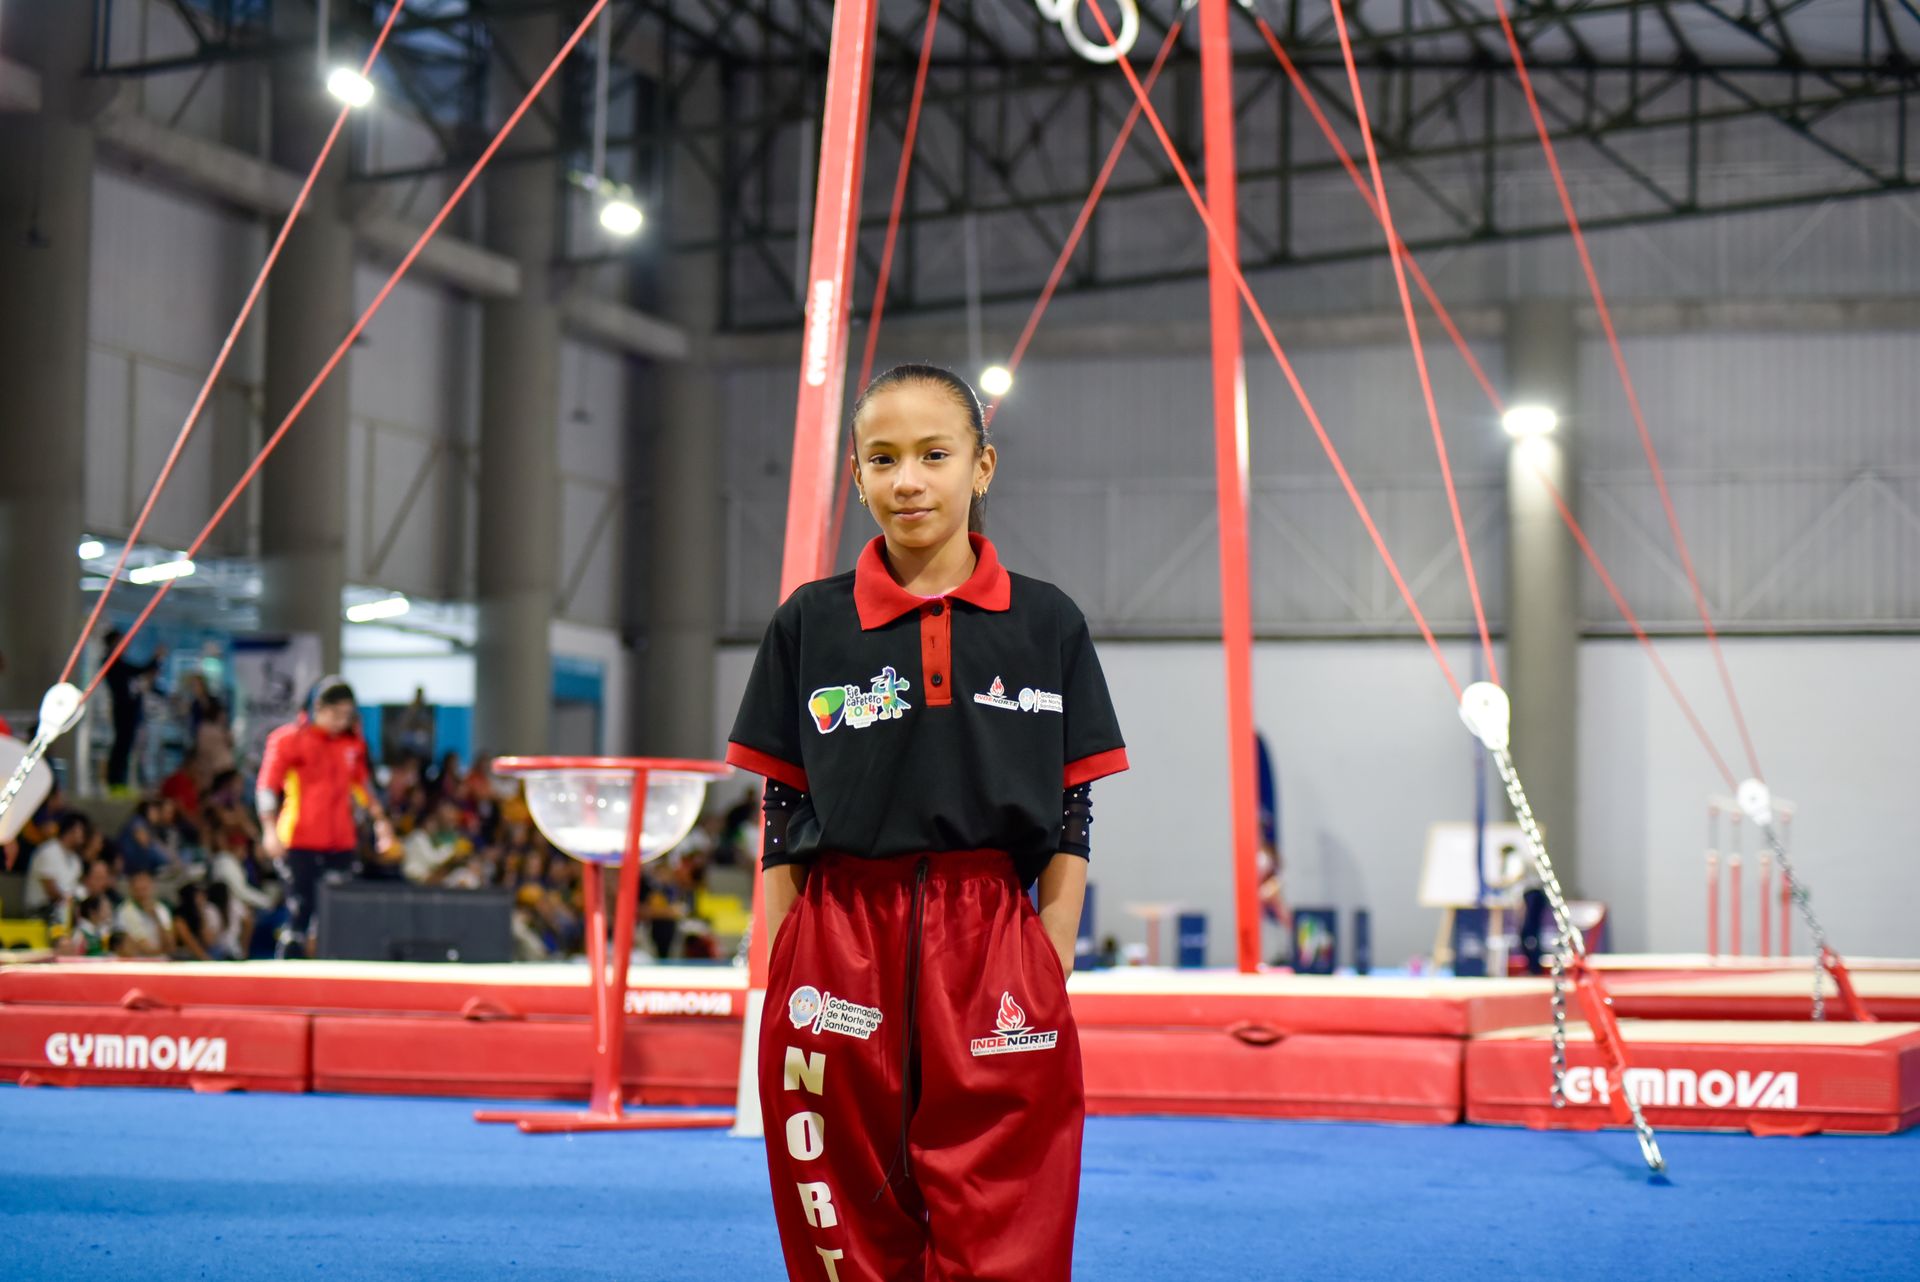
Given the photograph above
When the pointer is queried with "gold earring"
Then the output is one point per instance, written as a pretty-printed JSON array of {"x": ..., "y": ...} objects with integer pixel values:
[{"x": 863, "y": 498}]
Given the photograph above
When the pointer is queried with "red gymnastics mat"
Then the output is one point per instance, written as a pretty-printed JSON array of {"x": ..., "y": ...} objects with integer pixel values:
[
  {"x": 1622, "y": 966},
  {"x": 1125, "y": 997},
  {"x": 1140, "y": 997},
  {"x": 423, "y": 988},
  {"x": 1785, "y": 994},
  {"x": 1768, "y": 1078},
  {"x": 1154, "y": 1041},
  {"x": 205, "y": 1050}
]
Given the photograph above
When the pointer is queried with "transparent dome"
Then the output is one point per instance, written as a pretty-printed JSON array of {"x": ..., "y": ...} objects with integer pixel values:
[{"x": 584, "y": 810}]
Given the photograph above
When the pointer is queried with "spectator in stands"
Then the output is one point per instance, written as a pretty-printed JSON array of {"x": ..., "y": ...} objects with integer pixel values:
[
  {"x": 188, "y": 930},
  {"x": 312, "y": 777},
  {"x": 412, "y": 734},
  {"x": 436, "y": 846},
  {"x": 143, "y": 919},
  {"x": 227, "y": 925},
  {"x": 149, "y": 841},
  {"x": 224, "y": 808},
  {"x": 92, "y": 934},
  {"x": 448, "y": 779},
  {"x": 186, "y": 788},
  {"x": 45, "y": 824},
  {"x": 54, "y": 873},
  {"x": 95, "y": 883},
  {"x": 210, "y": 735},
  {"x": 126, "y": 683}
]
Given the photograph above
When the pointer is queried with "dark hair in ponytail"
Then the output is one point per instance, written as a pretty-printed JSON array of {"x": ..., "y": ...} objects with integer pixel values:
[{"x": 958, "y": 390}]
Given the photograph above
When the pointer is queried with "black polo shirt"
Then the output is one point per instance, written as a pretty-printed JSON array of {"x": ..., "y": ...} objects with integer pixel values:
[{"x": 926, "y": 725}]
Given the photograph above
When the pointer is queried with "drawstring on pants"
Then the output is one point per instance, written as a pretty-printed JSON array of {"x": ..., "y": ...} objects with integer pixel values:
[{"x": 902, "y": 1161}]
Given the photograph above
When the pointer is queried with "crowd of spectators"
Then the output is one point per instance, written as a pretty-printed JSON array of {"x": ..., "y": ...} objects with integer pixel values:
[{"x": 185, "y": 876}]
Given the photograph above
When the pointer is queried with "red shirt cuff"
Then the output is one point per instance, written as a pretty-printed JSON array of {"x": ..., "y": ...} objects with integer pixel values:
[
  {"x": 770, "y": 767},
  {"x": 1098, "y": 766}
]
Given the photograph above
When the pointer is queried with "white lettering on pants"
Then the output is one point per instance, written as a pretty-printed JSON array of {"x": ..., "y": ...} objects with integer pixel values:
[
  {"x": 827, "y": 1258},
  {"x": 817, "y": 1199},
  {"x": 806, "y": 1070},
  {"x": 806, "y": 1136}
]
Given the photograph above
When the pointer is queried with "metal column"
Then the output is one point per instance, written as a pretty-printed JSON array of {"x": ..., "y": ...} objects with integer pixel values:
[
  {"x": 1543, "y": 598},
  {"x": 517, "y": 562},
  {"x": 46, "y": 232},
  {"x": 303, "y": 487}
]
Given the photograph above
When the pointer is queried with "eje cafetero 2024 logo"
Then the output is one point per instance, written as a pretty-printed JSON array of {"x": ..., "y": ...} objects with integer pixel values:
[
  {"x": 833, "y": 705},
  {"x": 1012, "y": 1034}
]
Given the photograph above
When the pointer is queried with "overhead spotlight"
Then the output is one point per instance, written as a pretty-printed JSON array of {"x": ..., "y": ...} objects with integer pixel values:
[
  {"x": 370, "y": 611},
  {"x": 92, "y": 550},
  {"x": 349, "y": 86},
  {"x": 149, "y": 574},
  {"x": 619, "y": 214},
  {"x": 1523, "y": 421},
  {"x": 996, "y": 381}
]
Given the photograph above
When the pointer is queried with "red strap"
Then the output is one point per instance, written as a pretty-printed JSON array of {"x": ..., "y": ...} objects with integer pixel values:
[{"x": 1843, "y": 980}]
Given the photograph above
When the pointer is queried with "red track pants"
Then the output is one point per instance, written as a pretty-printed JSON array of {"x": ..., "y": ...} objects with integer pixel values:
[{"x": 923, "y": 1123}]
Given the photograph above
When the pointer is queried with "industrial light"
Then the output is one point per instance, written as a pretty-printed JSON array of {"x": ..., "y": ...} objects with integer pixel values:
[
  {"x": 349, "y": 86},
  {"x": 160, "y": 573},
  {"x": 619, "y": 215},
  {"x": 92, "y": 550},
  {"x": 996, "y": 381},
  {"x": 1523, "y": 421},
  {"x": 369, "y": 611}
]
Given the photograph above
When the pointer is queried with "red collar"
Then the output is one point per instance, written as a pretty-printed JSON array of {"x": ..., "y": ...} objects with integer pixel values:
[{"x": 880, "y": 600}]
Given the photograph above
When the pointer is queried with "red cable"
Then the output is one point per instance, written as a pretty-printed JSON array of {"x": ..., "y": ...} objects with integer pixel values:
[
  {"x": 1383, "y": 209},
  {"x": 1086, "y": 209},
  {"x": 1280, "y": 356},
  {"x": 1626, "y": 381},
  {"x": 1493, "y": 398},
  {"x": 346, "y": 344},
  {"x": 226, "y": 350},
  {"x": 886, "y": 255}
]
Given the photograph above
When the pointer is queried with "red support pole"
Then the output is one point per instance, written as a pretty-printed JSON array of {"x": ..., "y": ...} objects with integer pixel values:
[
  {"x": 1735, "y": 946},
  {"x": 1713, "y": 904},
  {"x": 605, "y": 1031},
  {"x": 1230, "y": 469},
  {"x": 613, "y": 997},
  {"x": 823, "y": 361},
  {"x": 1766, "y": 904}
]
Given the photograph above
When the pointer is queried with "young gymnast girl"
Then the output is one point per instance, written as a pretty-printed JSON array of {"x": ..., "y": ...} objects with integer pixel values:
[{"x": 929, "y": 726}]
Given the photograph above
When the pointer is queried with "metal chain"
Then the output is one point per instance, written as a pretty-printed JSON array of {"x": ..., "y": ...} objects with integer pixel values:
[
  {"x": 1559, "y": 964},
  {"x": 35, "y": 752},
  {"x": 1571, "y": 944},
  {"x": 1804, "y": 899}
]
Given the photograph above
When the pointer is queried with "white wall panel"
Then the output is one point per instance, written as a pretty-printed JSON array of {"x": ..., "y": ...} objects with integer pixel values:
[
  {"x": 169, "y": 277},
  {"x": 1368, "y": 752},
  {"x": 1794, "y": 464}
]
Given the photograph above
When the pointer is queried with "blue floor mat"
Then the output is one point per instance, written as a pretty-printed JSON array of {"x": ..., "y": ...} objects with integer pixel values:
[{"x": 165, "y": 1185}]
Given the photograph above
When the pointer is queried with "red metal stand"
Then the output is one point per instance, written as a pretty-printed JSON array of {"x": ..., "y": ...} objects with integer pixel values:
[
  {"x": 1230, "y": 472},
  {"x": 604, "y": 1103}
]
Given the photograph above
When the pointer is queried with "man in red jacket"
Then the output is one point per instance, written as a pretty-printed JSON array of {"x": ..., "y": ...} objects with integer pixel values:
[{"x": 312, "y": 776}]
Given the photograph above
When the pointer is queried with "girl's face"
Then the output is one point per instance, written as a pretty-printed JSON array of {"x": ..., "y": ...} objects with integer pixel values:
[{"x": 917, "y": 462}]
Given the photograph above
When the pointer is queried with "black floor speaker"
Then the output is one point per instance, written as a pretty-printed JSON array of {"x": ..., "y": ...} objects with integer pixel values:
[{"x": 396, "y": 921}]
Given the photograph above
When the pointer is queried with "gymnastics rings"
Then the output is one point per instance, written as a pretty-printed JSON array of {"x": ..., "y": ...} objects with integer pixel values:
[{"x": 1065, "y": 13}]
